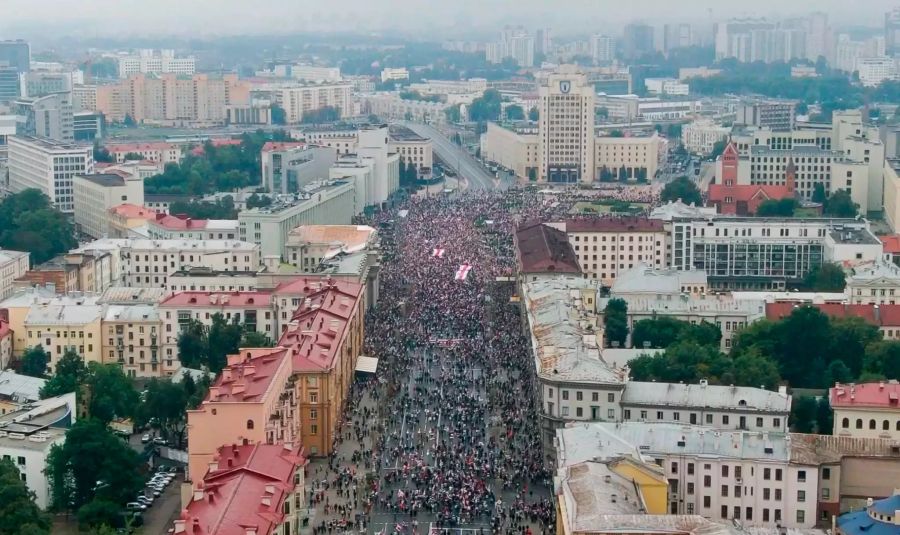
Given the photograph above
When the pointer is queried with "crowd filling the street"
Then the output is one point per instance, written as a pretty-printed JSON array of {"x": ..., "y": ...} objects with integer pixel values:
[{"x": 445, "y": 439}]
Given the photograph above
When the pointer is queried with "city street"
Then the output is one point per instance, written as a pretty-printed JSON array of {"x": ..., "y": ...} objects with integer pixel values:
[{"x": 457, "y": 158}]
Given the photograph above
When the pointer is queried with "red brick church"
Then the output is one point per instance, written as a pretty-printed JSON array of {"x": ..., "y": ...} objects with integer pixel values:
[{"x": 729, "y": 197}]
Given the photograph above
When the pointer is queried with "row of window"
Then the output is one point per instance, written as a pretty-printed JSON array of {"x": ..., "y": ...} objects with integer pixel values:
[{"x": 885, "y": 424}]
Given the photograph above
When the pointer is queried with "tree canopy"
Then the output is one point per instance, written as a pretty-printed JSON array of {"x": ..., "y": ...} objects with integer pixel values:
[
  {"x": 828, "y": 277},
  {"x": 29, "y": 223},
  {"x": 681, "y": 188},
  {"x": 486, "y": 107},
  {"x": 840, "y": 204},
  {"x": 92, "y": 463},
  {"x": 664, "y": 331},
  {"x": 34, "y": 362},
  {"x": 777, "y": 208},
  {"x": 222, "y": 208},
  {"x": 615, "y": 322},
  {"x": 103, "y": 389},
  {"x": 325, "y": 114},
  {"x": 199, "y": 346},
  {"x": 18, "y": 512},
  {"x": 514, "y": 112}
]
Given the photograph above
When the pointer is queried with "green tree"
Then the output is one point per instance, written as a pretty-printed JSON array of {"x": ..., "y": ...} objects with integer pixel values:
[
  {"x": 824, "y": 417},
  {"x": 18, "y": 512},
  {"x": 515, "y": 112},
  {"x": 453, "y": 114},
  {"x": 256, "y": 339},
  {"x": 256, "y": 200},
  {"x": 718, "y": 149},
  {"x": 69, "y": 376},
  {"x": 224, "y": 339},
  {"x": 97, "y": 513},
  {"x": 110, "y": 392},
  {"x": 686, "y": 362},
  {"x": 91, "y": 454},
  {"x": 34, "y": 362},
  {"x": 659, "y": 332},
  {"x": 278, "y": 114},
  {"x": 839, "y": 204},
  {"x": 615, "y": 321},
  {"x": 28, "y": 222},
  {"x": 753, "y": 369},
  {"x": 192, "y": 346},
  {"x": 166, "y": 402},
  {"x": 325, "y": 114},
  {"x": 819, "y": 195},
  {"x": 803, "y": 414},
  {"x": 533, "y": 114},
  {"x": 133, "y": 156},
  {"x": 486, "y": 107},
  {"x": 828, "y": 277},
  {"x": 102, "y": 155},
  {"x": 777, "y": 208},
  {"x": 850, "y": 340},
  {"x": 681, "y": 188},
  {"x": 882, "y": 359}
]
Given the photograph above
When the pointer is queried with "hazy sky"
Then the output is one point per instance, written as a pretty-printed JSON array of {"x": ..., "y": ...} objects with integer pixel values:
[{"x": 203, "y": 17}]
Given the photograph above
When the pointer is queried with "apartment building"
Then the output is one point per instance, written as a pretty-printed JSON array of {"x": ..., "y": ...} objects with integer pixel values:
[
  {"x": 325, "y": 335},
  {"x": 341, "y": 137},
  {"x": 173, "y": 100},
  {"x": 253, "y": 310},
  {"x": 632, "y": 158},
  {"x": 96, "y": 194},
  {"x": 320, "y": 203},
  {"x": 373, "y": 170},
  {"x": 892, "y": 193},
  {"x": 289, "y": 166},
  {"x": 171, "y": 227},
  {"x": 700, "y": 136},
  {"x": 49, "y": 166},
  {"x": 58, "y": 324},
  {"x": 773, "y": 253},
  {"x": 128, "y": 220},
  {"x": 258, "y": 487},
  {"x": 48, "y": 116},
  {"x": 867, "y": 410},
  {"x": 744, "y": 476},
  {"x": 607, "y": 247},
  {"x": 131, "y": 337},
  {"x": 13, "y": 264},
  {"x": 777, "y": 115},
  {"x": 252, "y": 399},
  {"x": 29, "y": 452},
  {"x": 142, "y": 262},
  {"x": 159, "y": 152},
  {"x": 203, "y": 279},
  {"x": 84, "y": 98},
  {"x": 874, "y": 71},
  {"x": 721, "y": 407},
  {"x": 299, "y": 99},
  {"x": 566, "y": 128},
  {"x": 90, "y": 272},
  {"x": 389, "y": 106},
  {"x": 148, "y": 61}
]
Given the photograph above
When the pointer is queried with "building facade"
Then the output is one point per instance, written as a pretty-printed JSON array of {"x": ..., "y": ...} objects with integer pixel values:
[
  {"x": 868, "y": 410},
  {"x": 566, "y": 128},
  {"x": 47, "y": 116},
  {"x": 49, "y": 166},
  {"x": 96, "y": 194},
  {"x": 13, "y": 264}
]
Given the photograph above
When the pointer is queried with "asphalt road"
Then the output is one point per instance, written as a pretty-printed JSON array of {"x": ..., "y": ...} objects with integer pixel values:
[{"x": 457, "y": 158}]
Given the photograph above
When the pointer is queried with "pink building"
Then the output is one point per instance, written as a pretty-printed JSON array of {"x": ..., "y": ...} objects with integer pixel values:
[
  {"x": 252, "y": 399},
  {"x": 154, "y": 152},
  {"x": 248, "y": 489}
]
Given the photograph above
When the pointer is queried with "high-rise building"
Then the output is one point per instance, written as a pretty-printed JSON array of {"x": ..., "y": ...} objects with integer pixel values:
[
  {"x": 148, "y": 62},
  {"x": 677, "y": 36},
  {"x": 819, "y": 42},
  {"x": 515, "y": 43},
  {"x": 40, "y": 83},
  {"x": 543, "y": 41},
  {"x": 48, "y": 166},
  {"x": 892, "y": 32},
  {"x": 566, "y": 127},
  {"x": 17, "y": 54},
  {"x": 603, "y": 48},
  {"x": 49, "y": 116},
  {"x": 637, "y": 41},
  {"x": 10, "y": 84}
]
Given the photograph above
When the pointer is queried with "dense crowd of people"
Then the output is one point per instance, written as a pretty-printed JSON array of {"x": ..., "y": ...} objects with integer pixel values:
[{"x": 447, "y": 434}]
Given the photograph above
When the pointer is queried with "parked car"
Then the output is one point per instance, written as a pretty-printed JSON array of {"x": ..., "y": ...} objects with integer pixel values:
[
  {"x": 145, "y": 439},
  {"x": 159, "y": 441},
  {"x": 135, "y": 506}
]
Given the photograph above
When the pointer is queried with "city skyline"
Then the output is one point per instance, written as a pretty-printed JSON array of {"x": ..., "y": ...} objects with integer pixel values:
[{"x": 228, "y": 17}]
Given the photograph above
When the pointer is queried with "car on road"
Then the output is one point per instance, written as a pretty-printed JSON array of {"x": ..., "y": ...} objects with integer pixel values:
[
  {"x": 135, "y": 506},
  {"x": 145, "y": 439},
  {"x": 159, "y": 441}
]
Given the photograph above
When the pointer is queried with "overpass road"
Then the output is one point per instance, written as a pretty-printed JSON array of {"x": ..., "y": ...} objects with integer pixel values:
[{"x": 458, "y": 159}]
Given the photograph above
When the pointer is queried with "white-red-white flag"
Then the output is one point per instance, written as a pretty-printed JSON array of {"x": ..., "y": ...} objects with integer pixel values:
[
  {"x": 438, "y": 253},
  {"x": 463, "y": 272}
]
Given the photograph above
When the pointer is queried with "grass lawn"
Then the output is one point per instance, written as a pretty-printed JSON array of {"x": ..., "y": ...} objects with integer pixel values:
[{"x": 607, "y": 207}]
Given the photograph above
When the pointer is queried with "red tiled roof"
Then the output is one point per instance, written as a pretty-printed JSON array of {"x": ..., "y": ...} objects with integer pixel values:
[
  {"x": 883, "y": 316},
  {"x": 140, "y": 147},
  {"x": 891, "y": 243},
  {"x": 133, "y": 210},
  {"x": 219, "y": 299},
  {"x": 178, "y": 222},
  {"x": 541, "y": 249},
  {"x": 319, "y": 326},
  {"x": 883, "y": 394},
  {"x": 614, "y": 224},
  {"x": 248, "y": 494},
  {"x": 247, "y": 377},
  {"x": 313, "y": 283},
  {"x": 281, "y": 145},
  {"x": 745, "y": 192}
]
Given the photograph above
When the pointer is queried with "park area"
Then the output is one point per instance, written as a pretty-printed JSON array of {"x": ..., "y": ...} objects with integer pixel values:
[{"x": 609, "y": 206}]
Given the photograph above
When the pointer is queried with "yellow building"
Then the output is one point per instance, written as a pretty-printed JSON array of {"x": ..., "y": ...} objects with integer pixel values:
[
  {"x": 131, "y": 337},
  {"x": 62, "y": 323}
]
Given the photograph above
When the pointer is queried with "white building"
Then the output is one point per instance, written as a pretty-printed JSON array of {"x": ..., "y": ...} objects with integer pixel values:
[
  {"x": 603, "y": 48},
  {"x": 149, "y": 62},
  {"x": 202, "y": 279},
  {"x": 877, "y": 283},
  {"x": 49, "y": 166},
  {"x": 389, "y": 106},
  {"x": 388, "y": 74},
  {"x": 28, "y": 450},
  {"x": 745, "y": 476},
  {"x": 147, "y": 263},
  {"x": 48, "y": 116},
  {"x": 323, "y": 203},
  {"x": 300, "y": 99},
  {"x": 666, "y": 86},
  {"x": 312, "y": 73},
  {"x": 721, "y": 407},
  {"x": 171, "y": 227},
  {"x": 84, "y": 98},
  {"x": 95, "y": 194},
  {"x": 566, "y": 127},
  {"x": 873, "y": 71},
  {"x": 289, "y": 166},
  {"x": 373, "y": 169},
  {"x": 13, "y": 264},
  {"x": 700, "y": 136}
]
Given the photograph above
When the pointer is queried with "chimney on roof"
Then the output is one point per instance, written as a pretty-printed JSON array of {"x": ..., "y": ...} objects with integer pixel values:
[
  {"x": 213, "y": 466},
  {"x": 270, "y": 489},
  {"x": 198, "y": 495},
  {"x": 266, "y": 500},
  {"x": 213, "y": 393}
]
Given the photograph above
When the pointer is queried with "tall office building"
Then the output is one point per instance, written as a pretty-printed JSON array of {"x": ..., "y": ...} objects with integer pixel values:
[
  {"x": 148, "y": 62},
  {"x": 677, "y": 36},
  {"x": 819, "y": 41},
  {"x": 48, "y": 166},
  {"x": 637, "y": 41},
  {"x": 892, "y": 32},
  {"x": 49, "y": 116},
  {"x": 543, "y": 41},
  {"x": 515, "y": 43},
  {"x": 603, "y": 48},
  {"x": 17, "y": 54},
  {"x": 566, "y": 127},
  {"x": 40, "y": 83},
  {"x": 10, "y": 85}
]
